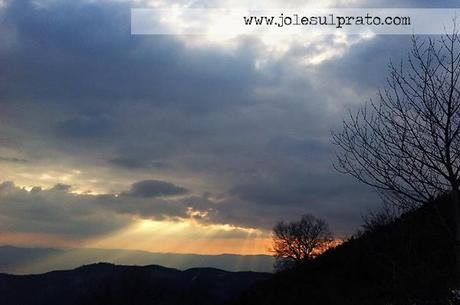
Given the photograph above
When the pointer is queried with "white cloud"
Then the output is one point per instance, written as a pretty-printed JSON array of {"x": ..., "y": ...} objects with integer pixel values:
[{"x": 271, "y": 47}]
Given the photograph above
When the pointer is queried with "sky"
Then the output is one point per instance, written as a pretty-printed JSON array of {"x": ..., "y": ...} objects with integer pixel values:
[{"x": 176, "y": 143}]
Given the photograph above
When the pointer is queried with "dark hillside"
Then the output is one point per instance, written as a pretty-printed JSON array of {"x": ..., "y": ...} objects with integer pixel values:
[
  {"x": 408, "y": 261},
  {"x": 103, "y": 284}
]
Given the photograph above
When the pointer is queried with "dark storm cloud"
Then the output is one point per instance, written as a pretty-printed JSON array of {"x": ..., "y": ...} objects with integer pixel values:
[
  {"x": 129, "y": 163},
  {"x": 154, "y": 188},
  {"x": 366, "y": 67},
  {"x": 86, "y": 126},
  {"x": 340, "y": 209},
  {"x": 61, "y": 187},
  {"x": 54, "y": 211},
  {"x": 84, "y": 76},
  {"x": 58, "y": 211},
  {"x": 302, "y": 190},
  {"x": 79, "y": 86},
  {"x": 133, "y": 163},
  {"x": 13, "y": 159},
  {"x": 84, "y": 52},
  {"x": 298, "y": 146}
]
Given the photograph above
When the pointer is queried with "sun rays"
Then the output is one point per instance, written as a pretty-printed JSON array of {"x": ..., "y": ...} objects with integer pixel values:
[{"x": 186, "y": 236}]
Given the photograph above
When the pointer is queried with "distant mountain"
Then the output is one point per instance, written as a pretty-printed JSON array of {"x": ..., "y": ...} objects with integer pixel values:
[
  {"x": 18, "y": 260},
  {"x": 105, "y": 283}
]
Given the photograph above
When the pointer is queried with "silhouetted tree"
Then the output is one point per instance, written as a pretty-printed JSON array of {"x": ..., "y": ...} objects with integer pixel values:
[
  {"x": 377, "y": 219},
  {"x": 299, "y": 241},
  {"x": 407, "y": 143}
]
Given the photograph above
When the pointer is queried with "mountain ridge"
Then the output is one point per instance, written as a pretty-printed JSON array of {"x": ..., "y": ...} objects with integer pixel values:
[
  {"x": 27, "y": 260},
  {"x": 105, "y": 283}
]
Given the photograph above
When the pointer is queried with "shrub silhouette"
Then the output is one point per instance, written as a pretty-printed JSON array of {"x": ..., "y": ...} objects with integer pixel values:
[{"x": 299, "y": 241}]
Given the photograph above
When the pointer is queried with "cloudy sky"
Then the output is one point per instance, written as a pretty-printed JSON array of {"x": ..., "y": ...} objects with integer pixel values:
[{"x": 196, "y": 144}]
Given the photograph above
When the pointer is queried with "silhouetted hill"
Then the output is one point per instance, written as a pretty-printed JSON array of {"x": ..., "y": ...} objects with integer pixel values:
[
  {"x": 407, "y": 261},
  {"x": 106, "y": 284},
  {"x": 18, "y": 260}
]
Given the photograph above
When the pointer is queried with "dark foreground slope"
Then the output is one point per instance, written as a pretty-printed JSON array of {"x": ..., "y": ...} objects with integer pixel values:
[
  {"x": 106, "y": 284},
  {"x": 408, "y": 261}
]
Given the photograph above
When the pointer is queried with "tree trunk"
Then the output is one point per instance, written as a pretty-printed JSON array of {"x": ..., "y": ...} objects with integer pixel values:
[{"x": 456, "y": 218}]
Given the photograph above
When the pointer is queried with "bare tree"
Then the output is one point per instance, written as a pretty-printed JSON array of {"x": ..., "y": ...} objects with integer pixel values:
[
  {"x": 299, "y": 241},
  {"x": 407, "y": 143},
  {"x": 377, "y": 219}
]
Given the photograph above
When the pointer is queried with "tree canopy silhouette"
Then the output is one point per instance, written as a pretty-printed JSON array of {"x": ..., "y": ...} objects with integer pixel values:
[
  {"x": 407, "y": 143},
  {"x": 299, "y": 241}
]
